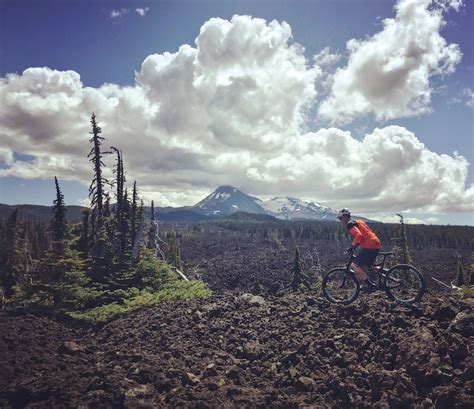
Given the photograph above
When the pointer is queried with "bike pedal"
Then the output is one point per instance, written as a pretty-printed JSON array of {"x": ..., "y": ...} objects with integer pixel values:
[{"x": 368, "y": 289}]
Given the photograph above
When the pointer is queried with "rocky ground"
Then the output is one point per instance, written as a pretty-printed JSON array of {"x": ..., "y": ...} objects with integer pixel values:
[
  {"x": 262, "y": 265},
  {"x": 244, "y": 350}
]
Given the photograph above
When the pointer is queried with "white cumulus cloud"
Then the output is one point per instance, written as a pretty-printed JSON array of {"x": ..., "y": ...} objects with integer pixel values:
[
  {"x": 389, "y": 74},
  {"x": 6, "y": 156},
  {"x": 389, "y": 169},
  {"x": 247, "y": 82}
]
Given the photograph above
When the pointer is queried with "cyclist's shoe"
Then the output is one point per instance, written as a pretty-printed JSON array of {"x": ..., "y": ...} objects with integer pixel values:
[{"x": 368, "y": 286}]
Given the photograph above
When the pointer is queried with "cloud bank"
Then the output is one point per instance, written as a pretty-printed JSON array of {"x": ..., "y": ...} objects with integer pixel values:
[
  {"x": 389, "y": 74},
  {"x": 231, "y": 110}
]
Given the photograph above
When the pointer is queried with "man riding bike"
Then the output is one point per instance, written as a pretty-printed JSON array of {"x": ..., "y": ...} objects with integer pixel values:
[{"x": 366, "y": 239}]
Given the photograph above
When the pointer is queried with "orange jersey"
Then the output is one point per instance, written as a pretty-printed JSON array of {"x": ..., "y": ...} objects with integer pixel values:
[{"x": 362, "y": 235}]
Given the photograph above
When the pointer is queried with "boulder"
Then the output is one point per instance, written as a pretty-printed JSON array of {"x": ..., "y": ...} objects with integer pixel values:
[
  {"x": 70, "y": 348},
  {"x": 464, "y": 323},
  {"x": 306, "y": 382},
  {"x": 253, "y": 300},
  {"x": 444, "y": 312}
]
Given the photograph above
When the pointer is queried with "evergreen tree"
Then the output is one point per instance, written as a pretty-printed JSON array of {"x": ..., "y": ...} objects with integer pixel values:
[
  {"x": 137, "y": 243},
  {"x": 125, "y": 254},
  {"x": 96, "y": 189},
  {"x": 151, "y": 272},
  {"x": 153, "y": 234},
  {"x": 404, "y": 241},
  {"x": 102, "y": 254},
  {"x": 59, "y": 280},
  {"x": 119, "y": 181},
  {"x": 122, "y": 216},
  {"x": 58, "y": 225},
  {"x": 12, "y": 255},
  {"x": 107, "y": 211},
  {"x": 175, "y": 250},
  {"x": 471, "y": 271},
  {"x": 84, "y": 243},
  {"x": 135, "y": 217},
  {"x": 100, "y": 251},
  {"x": 299, "y": 278},
  {"x": 153, "y": 230}
]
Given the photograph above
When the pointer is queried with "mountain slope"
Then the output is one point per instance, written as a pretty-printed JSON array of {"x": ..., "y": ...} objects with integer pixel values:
[
  {"x": 290, "y": 208},
  {"x": 227, "y": 200},
  {"x": 40, "y": 213}
]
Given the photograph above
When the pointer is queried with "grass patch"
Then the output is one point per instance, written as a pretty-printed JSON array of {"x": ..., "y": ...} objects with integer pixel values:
[
  {"x": 466, "y": 290},
  {"x": 171, "y": 291}
]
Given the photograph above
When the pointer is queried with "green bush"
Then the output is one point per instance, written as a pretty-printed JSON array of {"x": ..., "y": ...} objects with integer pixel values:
[
  {"x": 467, "y": 291},
  {"x": 170, "y": 291},
  {"x": 153, "y": 273}
]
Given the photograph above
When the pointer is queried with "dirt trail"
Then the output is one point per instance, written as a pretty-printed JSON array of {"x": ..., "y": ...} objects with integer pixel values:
[{"x": 243, "y": 350}]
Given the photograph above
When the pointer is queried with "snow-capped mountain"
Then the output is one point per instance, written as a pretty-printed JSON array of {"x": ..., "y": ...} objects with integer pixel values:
[
  {"x": 290, "y": 208},
  {"x": 226, "y": 200}
]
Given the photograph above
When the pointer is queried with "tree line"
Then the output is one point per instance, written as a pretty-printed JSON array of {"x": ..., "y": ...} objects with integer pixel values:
[
  {"x": 417, "y": 236},
  {"x": 112, "y": 255}
]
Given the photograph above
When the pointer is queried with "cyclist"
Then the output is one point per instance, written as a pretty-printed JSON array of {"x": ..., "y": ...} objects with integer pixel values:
[{"x": 366, "y": 239}]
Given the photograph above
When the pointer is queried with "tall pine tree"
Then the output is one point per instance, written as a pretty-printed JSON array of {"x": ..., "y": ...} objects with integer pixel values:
[
  {"x": 404, "y": 241},
  {"x": 58, "y": 225},
  {"x": 99, "y": 251},
  {"x": 96, "y": 189},
  {"x": 135, "y": 217},
  {"x": 12, "y": 255},
  {"x": 153, "y": 230},
  {"x": 299, "y": 277},
  {"x": 85, "y": 240}
]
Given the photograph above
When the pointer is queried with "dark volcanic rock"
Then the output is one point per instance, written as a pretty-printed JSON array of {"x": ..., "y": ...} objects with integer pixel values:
[
  {"x": 464, "y": 323},
  {"x": 444, "y": 312},
  {"x": 245, "y": 351}
]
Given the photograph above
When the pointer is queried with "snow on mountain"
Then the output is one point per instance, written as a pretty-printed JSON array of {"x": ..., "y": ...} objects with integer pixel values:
[
  {"x": 289, "y": 208},
  {"x": 227, "y": 200}
]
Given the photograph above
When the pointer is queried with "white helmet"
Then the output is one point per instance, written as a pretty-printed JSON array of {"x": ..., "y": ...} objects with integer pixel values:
[{"x": 343, "y": 212}]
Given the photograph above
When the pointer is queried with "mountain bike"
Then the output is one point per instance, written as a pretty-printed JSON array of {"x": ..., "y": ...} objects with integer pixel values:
[{"x": 403, "y": 283}]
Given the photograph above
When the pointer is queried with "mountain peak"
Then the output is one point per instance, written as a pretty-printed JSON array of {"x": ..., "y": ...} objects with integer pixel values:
[
  {"x": 227, "y": 199},
  {"x": 226, "y": 189}
]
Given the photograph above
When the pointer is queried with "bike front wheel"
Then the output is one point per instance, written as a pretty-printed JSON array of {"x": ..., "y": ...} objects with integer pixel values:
[
  {"x": 404, "y": 284},
  {"x": 340, "y": 287}
]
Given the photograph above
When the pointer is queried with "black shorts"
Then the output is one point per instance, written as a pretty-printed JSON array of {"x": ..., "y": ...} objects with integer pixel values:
[{"x": 365, "y": 257}]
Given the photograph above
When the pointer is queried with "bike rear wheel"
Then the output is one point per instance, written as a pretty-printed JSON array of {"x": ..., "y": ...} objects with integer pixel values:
[
  {"x": 340, "y": 287},
  {"x": 404, "y": 284}
]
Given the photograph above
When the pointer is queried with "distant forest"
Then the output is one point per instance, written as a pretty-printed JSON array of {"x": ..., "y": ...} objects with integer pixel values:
[
  {"x": 37, "y": 240},
  {"x": 418, "y": 236}
]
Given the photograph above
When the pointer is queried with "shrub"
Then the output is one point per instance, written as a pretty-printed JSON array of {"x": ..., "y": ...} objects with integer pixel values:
[
  {"x": 153, "y": 273},
  {"x": 170, "y": 291}
]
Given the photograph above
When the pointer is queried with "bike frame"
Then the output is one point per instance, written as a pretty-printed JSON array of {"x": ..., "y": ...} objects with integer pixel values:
[{"x": 379, "y": 270}]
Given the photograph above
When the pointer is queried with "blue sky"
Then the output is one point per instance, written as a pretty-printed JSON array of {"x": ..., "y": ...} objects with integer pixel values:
[{"x": 106, "y": 42}]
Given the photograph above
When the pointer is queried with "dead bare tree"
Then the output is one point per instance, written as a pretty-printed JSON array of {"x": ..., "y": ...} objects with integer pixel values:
[
  {"x": 313, "y": 261},
  {"x": 153, "y": 237}
]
